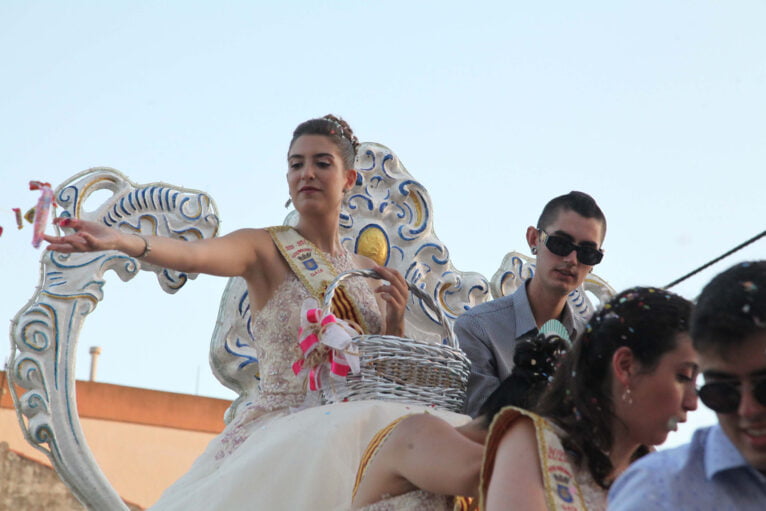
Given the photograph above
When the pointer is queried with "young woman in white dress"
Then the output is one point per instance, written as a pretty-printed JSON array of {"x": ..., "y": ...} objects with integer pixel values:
[{"x": 270, "y": 457}]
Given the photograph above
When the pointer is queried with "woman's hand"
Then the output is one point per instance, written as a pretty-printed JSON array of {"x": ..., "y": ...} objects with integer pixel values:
[
  {"x": 395, "y": 294},
  {"x": 88, "y": 237}
]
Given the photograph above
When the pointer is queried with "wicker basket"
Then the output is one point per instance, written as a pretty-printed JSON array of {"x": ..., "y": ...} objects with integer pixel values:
[{"x": 405, "y": 370}]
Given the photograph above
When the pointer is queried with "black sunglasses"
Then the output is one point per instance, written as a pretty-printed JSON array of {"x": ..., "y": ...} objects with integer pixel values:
[
  {"x": 563, "y": 247},
  {"x": 724, "y": 396}
]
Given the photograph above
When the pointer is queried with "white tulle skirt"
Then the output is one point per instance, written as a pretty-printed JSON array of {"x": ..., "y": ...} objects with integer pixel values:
[{"x": 280, "y": 461}]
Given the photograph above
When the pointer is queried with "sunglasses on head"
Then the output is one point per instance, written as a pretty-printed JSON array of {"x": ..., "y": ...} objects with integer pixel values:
[
  {"x": 561, "y": 246},
  {"x": 725, "y": 397}
]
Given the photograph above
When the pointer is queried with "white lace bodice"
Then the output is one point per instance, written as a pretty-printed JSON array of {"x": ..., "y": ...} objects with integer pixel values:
[{"x": 275, "y": 329}]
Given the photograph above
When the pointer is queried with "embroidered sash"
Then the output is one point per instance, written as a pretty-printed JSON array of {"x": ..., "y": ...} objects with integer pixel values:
[
  {"x": 315, "y": 272},
  {"x": 562, "y": 493}
]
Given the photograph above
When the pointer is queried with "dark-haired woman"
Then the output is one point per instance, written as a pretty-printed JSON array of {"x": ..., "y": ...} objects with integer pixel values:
[
  {"x": 421, "y": 462},
  {"x": 627, "y": 382},
  {"x": 268, "y": 457}
]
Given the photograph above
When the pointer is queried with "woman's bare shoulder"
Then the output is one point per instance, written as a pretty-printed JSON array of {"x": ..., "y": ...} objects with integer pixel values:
[
  {"x": 523, "y": 428},
  {"x": 516, "y": 471},
  {"x": 256, "y": 246},
  {"x": 509, "y": 438}
]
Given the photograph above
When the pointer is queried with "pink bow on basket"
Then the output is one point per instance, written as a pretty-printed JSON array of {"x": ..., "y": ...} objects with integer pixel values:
[{"x": 329, "y": 352}]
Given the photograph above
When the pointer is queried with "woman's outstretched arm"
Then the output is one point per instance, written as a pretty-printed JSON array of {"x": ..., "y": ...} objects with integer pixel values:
[
  {"x": 434, "y": 456},
  {"x": 423, "y": 452},
  {"x": 232, "y": 255}
]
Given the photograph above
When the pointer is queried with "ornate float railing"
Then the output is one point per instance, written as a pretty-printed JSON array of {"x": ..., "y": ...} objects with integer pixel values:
[{"x": 387, "y": 216}]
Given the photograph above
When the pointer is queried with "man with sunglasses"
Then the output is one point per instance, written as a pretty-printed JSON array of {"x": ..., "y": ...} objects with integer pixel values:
[
  {"x": 724, "y": 466},
  {"x": 567, "y": 244}
]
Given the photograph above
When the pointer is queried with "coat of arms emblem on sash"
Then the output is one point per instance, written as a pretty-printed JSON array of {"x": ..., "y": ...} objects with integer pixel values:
[{"x": 308, "y": 261}]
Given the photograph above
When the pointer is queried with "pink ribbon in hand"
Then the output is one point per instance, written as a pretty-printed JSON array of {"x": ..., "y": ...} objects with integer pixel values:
[
  {"x": 41, "y": 210},
  {"x": 318, "y": 328}
]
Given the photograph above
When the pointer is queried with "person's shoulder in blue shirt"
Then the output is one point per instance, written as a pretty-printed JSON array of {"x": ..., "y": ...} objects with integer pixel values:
[{"x": 707, "y": 473}]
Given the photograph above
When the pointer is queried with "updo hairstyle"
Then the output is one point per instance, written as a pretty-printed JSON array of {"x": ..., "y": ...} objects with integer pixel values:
[{"x": 334, "y": 128}]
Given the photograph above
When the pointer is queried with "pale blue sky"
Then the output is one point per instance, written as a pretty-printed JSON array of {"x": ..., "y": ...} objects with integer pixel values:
[{"x": 656, "y": 108}]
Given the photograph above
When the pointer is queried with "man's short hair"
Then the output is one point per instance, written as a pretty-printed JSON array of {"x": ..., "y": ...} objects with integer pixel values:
[
  {"x": 731, "y": 307},
  {"x": 579, "y": 202}
]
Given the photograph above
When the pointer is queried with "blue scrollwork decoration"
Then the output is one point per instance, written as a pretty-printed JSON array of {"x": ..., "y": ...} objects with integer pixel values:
[{"x": 45, "y": 331}]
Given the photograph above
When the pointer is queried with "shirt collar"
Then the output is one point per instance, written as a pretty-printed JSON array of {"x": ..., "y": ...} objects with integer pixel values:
[
  {"x": 722, "y": 455},
  {"x": 525, "y": 320},
  {"x": 569, "y": 322}
]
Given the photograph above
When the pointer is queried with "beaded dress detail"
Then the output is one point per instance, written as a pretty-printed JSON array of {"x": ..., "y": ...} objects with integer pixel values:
[
  {"x": 277, "y": 444},
  {"x": 275, "y": 333},
  {"x": 275, "y": 330}
]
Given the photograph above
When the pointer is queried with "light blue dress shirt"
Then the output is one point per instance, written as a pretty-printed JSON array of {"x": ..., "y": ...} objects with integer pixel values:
[{"x": 708, "y": 473}]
